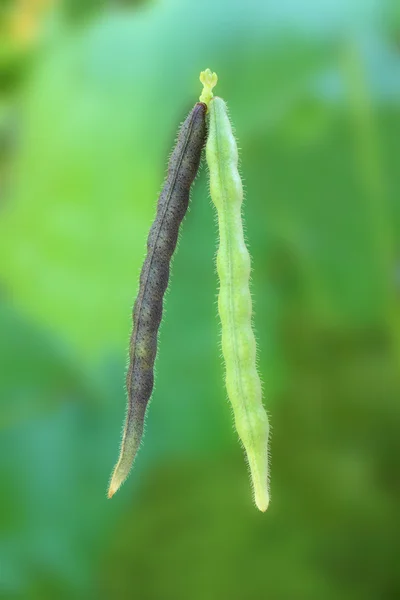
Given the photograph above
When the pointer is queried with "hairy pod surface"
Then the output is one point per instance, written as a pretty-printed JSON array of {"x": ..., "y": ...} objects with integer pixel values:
[
  {"x": 147, "y": 313},
  {"x": 234, "y": 301}
]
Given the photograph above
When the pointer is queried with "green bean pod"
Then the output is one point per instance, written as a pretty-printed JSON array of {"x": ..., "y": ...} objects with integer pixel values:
[{"x": 234, "y": 302}]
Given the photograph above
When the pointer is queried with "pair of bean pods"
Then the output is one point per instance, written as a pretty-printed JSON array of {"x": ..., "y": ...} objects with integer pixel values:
[{"x": 234, "y": 300}]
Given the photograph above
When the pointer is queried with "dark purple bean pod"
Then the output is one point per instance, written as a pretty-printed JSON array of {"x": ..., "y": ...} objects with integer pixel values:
[{"x": 147, "y": 313}]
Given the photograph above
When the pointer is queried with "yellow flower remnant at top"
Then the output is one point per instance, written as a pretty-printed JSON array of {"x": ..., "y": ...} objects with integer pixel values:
[{"x": 209, "y": 81}]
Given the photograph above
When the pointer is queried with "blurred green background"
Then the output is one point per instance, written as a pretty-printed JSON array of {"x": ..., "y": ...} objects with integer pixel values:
[{"x": 91, "y": 94}]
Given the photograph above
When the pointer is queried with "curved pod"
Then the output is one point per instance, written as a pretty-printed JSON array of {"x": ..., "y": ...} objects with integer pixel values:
[
  {"x": 234, "y": 302},
  {"x": 172, "y": 205}
]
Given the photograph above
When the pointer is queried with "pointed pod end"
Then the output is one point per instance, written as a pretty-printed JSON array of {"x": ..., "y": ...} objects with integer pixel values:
[
  {"x": 262, "y": 501},
  {"x": 111, "y": 492},
  {"x": 259, "y": 476},
  {"x": 113, "y": 487}
]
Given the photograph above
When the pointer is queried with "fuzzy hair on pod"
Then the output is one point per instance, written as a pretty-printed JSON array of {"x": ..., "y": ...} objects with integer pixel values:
[
  {"x": 147, "y": 313},
  {"x": 234, "y": 301}
]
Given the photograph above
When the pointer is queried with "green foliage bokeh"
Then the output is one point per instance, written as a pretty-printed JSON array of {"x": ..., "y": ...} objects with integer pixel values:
[{"x": 314, "y": 93}]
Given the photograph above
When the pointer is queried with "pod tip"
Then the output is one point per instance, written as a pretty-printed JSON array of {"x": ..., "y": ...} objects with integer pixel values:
[
  {"x": 111, "y": 492},
  {"x": 262, "y": 503},
  {"x": 114, "y": 486}
]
